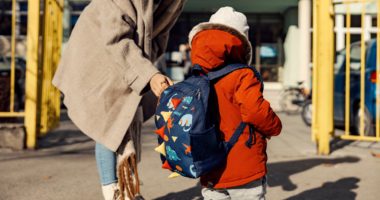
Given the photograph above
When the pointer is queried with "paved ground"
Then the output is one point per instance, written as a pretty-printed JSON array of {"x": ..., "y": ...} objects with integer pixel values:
[{"x": 64, "y": 168}]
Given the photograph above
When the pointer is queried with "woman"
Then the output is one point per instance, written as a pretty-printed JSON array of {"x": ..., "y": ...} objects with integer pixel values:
[{"x": 104, "y": 72}]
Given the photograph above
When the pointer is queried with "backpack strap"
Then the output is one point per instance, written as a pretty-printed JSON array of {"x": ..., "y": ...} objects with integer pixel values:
[
  {"x": 232, "y": 67},
  {"x": 226, "y": 70},
  {"x": 239, "y": 130},
  {"x": 196, "y": 69}
]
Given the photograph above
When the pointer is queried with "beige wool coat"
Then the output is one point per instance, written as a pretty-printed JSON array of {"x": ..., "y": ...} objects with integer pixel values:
[{"x": 107, "y": 64}]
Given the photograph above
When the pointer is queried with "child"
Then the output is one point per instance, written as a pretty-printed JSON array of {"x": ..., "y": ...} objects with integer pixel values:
[{"x": 224, "y": 40}]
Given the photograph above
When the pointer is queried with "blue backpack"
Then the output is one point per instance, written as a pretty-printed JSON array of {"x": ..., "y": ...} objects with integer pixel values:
[{"x": 187, "y": 124}]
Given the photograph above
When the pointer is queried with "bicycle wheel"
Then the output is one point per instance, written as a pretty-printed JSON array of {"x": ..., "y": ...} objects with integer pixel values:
[
  {"x": 289, "y": 101},
  {"x": 307, "y": 112}
]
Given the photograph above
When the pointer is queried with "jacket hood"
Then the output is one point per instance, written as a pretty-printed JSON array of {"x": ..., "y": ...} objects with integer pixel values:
[
  {"x": 216, "y": 26},
  {"x": 214, "y": 48}
]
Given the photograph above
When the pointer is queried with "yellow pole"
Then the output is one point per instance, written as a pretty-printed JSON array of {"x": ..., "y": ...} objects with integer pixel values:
[
  {"x": 378, "y": 72},
  {"x": 348, "y": 69},
  {"x": 325, "y": 76},
  {"x": 13, "y": 52},
  {"x": 362, "y": 71},
  {"x": 52, "y": 39},
  {"x": 46, "y": 63},
  {"x": 59, "y": 37},
  {"x": 314, "y": 122},
  {"x": 32, "y": 65}
]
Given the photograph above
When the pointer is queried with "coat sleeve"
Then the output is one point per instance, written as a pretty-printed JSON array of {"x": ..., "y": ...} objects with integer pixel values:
[
  {"x": 118, "y": 33},
  {"x": 253, "y": 107},
  {"x": 164, "y": 19}
]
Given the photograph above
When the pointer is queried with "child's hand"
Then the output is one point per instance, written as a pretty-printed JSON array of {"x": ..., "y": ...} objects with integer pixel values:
[{"x": 158, "y": 83}]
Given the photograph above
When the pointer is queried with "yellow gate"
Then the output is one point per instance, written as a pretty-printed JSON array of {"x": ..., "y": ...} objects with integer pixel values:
[
  {"x": 360, "y": 100},
  {"x": 44, "y": 38}
]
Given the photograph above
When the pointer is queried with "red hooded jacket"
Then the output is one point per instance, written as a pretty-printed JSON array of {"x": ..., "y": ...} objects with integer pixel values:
[{"x": 239, "y": 99}]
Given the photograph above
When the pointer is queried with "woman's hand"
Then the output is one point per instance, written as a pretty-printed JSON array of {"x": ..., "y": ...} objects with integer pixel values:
[{"x": 158, "y": 83}]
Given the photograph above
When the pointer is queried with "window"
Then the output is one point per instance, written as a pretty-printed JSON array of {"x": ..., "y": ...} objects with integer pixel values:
[
  {"x": 340, "y": 60},
  {"x": 355, "y": 53},
  {"x": 356, "y": 21},
  {"x": 355, "y": 56},
  {"x": 5, "y": 24}
]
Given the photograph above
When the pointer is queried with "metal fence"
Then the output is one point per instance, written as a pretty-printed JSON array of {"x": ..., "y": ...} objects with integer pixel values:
[
  {"x": 351, "y": 94},
  {"x": 44, "y": 38}
]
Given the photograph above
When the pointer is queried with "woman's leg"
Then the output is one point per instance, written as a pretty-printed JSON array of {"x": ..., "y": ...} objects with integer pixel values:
[{"x": 106, "y": 163}]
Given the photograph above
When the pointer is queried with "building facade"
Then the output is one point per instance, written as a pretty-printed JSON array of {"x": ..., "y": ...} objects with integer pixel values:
[{"x": 280, "y": 31}]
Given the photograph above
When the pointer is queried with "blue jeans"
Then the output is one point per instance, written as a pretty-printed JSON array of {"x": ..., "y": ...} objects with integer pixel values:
[{"x": 106, "y": 163}]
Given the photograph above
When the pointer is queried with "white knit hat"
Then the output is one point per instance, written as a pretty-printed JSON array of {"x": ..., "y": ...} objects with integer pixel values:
[{"x": 229, "y": 20}]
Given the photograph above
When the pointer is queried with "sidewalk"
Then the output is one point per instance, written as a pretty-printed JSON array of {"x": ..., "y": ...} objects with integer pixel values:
[{"x": 64, "y": 168}]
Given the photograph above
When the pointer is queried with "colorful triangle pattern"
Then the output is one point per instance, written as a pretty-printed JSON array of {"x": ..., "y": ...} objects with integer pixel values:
[
  {"x": 166, "y": 115},
  {"x": 161, "y": 149},
  {"x": 161, "y": 133},
  {"x": 166, "y": 165},
  {"x": 174, "y": 175},
  {"x": 176, "y": 102}
]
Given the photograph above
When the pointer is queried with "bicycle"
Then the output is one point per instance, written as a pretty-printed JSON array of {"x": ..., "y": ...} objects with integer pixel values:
[
  {"x": 292, "y": 99},
  {"x": 307, "y": 110}
]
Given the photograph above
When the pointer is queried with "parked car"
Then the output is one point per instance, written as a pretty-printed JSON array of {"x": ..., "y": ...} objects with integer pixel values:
[
  {"x": 5, "y": 77},
  {"x": 370, "y": 87},
  {"x": 340, "y": 89}
]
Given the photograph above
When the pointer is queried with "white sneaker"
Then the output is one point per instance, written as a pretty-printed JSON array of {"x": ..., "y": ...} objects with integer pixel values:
[{"x": 111, "y": 192}]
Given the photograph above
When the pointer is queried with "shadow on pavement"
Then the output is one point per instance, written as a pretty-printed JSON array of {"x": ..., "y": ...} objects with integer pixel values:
[
  {"x": 62, "y": 138},
  {"x": 31, "y": 154},
  {"x": 193, "y": 193},
  {"x": 338, "y": 143},
  {"x": 279, "y": 173},
  {"x": 58, "y": 142},
  {"x": 340, "y": 189},
  {"x": 64, "y": 115}
]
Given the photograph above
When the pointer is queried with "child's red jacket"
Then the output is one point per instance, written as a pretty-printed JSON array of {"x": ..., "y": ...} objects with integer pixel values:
[{"x": 239, "y": 99}]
